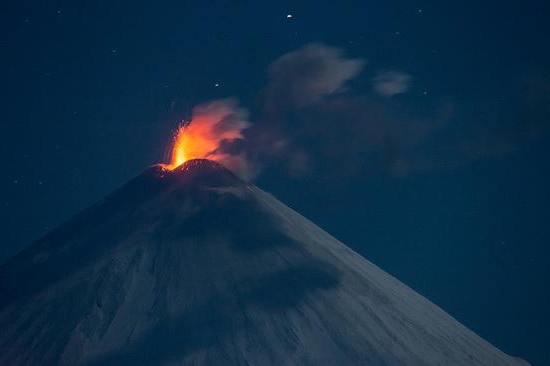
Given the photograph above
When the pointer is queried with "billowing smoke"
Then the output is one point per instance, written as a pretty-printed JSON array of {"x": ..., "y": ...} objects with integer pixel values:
[
  {"x": 220, "y": 131},
  {"x": 299, "y": 83},
  {"x": 309, "y": 120},
  {"x": 313, "y": 118}
]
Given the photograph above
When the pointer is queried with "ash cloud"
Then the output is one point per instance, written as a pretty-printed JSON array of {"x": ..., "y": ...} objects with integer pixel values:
[
  {"x": 310, "y": 121},
  {"x": 313, "y": 123},
  {"x": 300, "y": 83}
]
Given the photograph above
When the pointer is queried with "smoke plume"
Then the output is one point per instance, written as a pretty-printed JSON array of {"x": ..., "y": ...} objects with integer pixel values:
[{"x": 310, "y": 120}]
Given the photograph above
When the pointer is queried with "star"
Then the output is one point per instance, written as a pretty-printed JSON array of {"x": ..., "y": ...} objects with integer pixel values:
[
  {"x": 217, "y": 84},
  {"x": 425, "y": 92},
  {"x": 289, "y": 16},
  {"x": 15, "y": 181}
]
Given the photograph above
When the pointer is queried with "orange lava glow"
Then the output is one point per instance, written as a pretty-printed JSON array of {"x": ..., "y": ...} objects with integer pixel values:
[
  {"x": 200, "y": 139},
  {"x": 213, "y": 128},
  {"x": 190, "y": 143},
  {"x": 179, "y": 155}
]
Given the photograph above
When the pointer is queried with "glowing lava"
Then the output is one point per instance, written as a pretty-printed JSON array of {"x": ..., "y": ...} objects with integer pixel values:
[
  {"x": 211, "y": 134},
  {"x": 191, "y": 143},
  {"x": 196, "y": 140},
  {"x": 178, "y": 150}
]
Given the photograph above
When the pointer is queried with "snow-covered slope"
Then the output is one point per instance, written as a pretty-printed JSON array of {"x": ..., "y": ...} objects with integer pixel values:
[{"x": 195, "y": 267}]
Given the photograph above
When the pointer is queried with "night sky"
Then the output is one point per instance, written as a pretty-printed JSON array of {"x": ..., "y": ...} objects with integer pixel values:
[{"x": 426, "y": 150}]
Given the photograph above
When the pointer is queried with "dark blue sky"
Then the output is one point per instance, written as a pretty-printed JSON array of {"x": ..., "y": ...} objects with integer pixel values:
[{"x": 91, "y": 92}]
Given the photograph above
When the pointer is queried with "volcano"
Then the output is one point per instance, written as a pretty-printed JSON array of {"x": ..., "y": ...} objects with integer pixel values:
[{"x": 196, "y": 267}]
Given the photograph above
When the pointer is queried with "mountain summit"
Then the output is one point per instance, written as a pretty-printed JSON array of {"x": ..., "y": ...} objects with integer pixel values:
[{"x": 195, "y": 267}]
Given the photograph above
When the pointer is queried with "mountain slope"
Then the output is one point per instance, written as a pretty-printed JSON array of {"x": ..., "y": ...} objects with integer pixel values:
[{"x": 196, "y": 267}]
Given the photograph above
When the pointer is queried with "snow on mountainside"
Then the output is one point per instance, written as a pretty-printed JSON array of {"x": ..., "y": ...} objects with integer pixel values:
[{"x": 196, "y": 267}]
